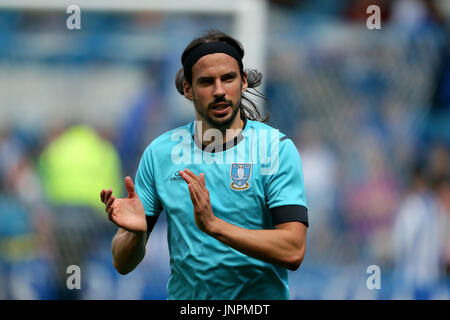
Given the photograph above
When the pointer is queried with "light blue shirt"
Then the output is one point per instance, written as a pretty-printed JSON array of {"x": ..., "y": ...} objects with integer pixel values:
[{"x": 260, "y": 172}]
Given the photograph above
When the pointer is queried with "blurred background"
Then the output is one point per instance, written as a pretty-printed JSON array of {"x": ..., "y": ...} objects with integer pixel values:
[{"x": 369, "y": 111}]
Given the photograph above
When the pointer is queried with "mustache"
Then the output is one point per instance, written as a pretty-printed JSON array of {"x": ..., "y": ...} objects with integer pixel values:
[{"x": 220, "y": 100}]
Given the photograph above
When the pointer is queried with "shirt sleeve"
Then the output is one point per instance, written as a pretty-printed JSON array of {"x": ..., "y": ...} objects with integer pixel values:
[
  {"x": 285, "y": 189},
  {"x": 145, "y": 184}
]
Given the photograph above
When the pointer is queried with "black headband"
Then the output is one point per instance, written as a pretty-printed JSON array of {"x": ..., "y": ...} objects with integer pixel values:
[{"x": 203, "y": 49}]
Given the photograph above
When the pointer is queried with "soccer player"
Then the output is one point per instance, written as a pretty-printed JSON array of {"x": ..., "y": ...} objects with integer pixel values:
[{"x": 232, "y": 188}]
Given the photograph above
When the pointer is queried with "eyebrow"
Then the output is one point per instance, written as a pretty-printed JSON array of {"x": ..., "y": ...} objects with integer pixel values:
[{"x": 204, "y": 78}]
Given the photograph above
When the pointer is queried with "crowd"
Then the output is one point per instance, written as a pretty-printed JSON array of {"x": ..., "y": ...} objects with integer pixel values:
[{"x": 369, "y": 114}]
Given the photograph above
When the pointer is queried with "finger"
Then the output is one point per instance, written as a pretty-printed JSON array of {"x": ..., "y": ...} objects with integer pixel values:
[
  {"x": 129, "y": 185},
  {"x": 194, "y": 192},
  {"x": 197, "y": 187},
  {"x": 108, "y": 194},
  {"x": 102, "y": 195},
  {"x": 187, "y": 177},
  {"x": 112, "y": 207},
  {"x": 190, "y": 173},
  {"x": 193, "y": 195},
  {"x": 202, "y": 195},
  {"x": 110, "y": 212},
  {"x": 202, "y": 179},
  {"x": 200, "y": 187},
  {"x": 109, "y": 203}
]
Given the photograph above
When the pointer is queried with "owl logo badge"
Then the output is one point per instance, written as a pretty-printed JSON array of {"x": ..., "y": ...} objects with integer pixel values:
[{"x": 240, "y": 173}]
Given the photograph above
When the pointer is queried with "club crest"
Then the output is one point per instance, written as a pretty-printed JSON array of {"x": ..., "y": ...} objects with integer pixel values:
[{"x": 240, "y": 173}]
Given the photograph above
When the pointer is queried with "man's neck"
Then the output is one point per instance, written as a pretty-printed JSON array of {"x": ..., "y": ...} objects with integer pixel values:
[{"x": 228, "y": 134}]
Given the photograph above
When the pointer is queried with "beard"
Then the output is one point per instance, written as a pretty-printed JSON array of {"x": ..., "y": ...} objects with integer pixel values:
[{"x": 221, "y": 123}]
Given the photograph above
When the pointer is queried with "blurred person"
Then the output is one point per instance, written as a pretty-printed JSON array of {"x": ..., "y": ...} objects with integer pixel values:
[
  {"x": 320, "y": 164},
  {"x": 72, "y": 165},
  {"x": 417, "y": 238},
  {"x": 412, "y": 15},
  {"x": 23, "y": 223},
  {"x": 232, "y": 231},
  {"x": 371, "y": 198},
  {"x": 71, "y": 159},
  {"x": 17, "y": 245},
  {"x": 441, "y": 186},
  {"x": 320, "y": 167},
  {"x": 439, "y": 170},
  {"x": 439, "y": 160},
  {"x": 408, "y": 15},
  {"x": 17, "y": 166}
]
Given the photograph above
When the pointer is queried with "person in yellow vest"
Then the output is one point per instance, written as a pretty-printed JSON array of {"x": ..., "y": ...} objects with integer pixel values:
[
  {"x": 72, "y": 168},
  {"x": 76, "y": 165}
]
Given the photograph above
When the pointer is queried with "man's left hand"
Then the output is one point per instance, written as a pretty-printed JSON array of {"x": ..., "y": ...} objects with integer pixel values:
[{"x": 203, "y": 214}]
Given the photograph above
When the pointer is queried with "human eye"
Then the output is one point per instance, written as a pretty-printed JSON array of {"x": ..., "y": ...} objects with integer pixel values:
[
  {"x": 228, "y": 77},
  {"x": 205, "y": 81}
]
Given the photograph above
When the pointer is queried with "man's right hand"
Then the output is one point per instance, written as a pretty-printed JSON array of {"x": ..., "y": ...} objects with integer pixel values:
[{"x": 127, "y": 213}]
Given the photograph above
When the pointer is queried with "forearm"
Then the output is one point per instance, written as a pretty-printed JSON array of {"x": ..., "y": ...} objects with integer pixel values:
[
  {"x": 128, "y": 250},
  {"x": 284, "y": 246}
]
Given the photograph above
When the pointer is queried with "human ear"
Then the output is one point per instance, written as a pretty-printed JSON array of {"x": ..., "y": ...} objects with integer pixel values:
[
  {"x": 187, "y": 88},
  {"x": 244, "y": 82}
]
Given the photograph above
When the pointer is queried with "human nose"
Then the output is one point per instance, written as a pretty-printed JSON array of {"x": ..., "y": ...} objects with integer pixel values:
[{"x": 219, "y": 90}]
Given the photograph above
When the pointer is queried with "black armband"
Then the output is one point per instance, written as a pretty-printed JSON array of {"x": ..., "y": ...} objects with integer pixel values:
[{"x": 289, "y": 213}]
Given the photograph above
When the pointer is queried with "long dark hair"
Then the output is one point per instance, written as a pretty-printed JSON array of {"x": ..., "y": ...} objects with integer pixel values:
[{"x": 254, "y": 77}]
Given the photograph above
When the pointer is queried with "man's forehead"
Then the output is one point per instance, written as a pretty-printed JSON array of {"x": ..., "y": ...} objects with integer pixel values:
[{"x": 215, "y": 62}]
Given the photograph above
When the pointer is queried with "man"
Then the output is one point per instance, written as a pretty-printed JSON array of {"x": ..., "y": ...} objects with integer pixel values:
[
  {"x": 235, "y": 225},
  {"x": 418, "y": 236}
]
